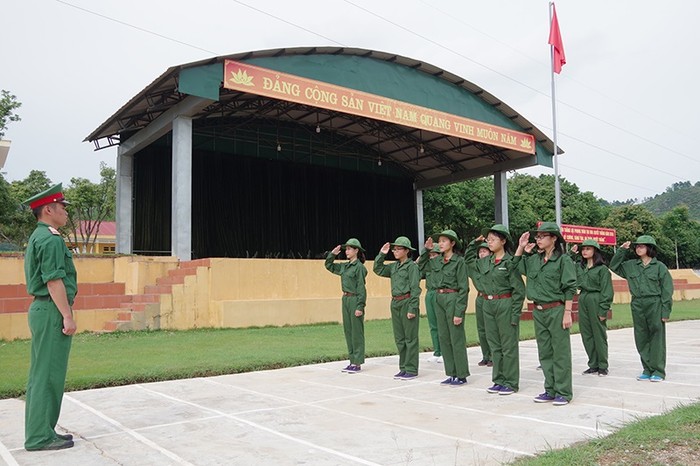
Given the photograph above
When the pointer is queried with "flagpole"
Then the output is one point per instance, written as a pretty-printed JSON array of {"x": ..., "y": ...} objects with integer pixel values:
[{"x": 555, "y": 158}]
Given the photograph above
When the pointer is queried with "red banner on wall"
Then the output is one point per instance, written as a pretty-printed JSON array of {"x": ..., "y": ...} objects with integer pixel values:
[
  {"x": 578, "y": 233},
  {"x": 270, "y": 83}
]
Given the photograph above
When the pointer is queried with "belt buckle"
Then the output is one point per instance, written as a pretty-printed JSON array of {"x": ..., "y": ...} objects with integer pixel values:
[
  {"x": 539, "y": 307},
  {"x": 489, "y": 296}
]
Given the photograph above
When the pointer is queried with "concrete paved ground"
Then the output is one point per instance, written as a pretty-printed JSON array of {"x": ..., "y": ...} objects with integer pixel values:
[{"x": 316, "y": 415}]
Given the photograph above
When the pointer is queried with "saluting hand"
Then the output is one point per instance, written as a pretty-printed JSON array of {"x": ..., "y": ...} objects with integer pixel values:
[
  {"x": 385, "y": 248},
  {"x": 529, "y": 247},
  {"x": 480, "y": 239},
  {"x": 336, "y": 250},
  {"x": 574, "y": 248},
  {"x": 429, "y": 243},
  {"x": 626, "y": 245},
  {"x": 524, "y": 240}
]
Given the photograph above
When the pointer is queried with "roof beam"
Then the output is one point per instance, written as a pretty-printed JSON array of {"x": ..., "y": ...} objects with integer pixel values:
[
  {"x": 163, "y": 124},
  {"x": 456, "y": 177}
]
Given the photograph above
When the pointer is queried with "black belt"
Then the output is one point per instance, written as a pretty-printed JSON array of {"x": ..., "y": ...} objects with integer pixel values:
[{"x": 544, "y": 306}]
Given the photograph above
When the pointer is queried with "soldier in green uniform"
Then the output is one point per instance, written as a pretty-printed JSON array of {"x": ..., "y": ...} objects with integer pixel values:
[
  {"x": 594, "y": 301},
  {"x": 651, "y": 287},
  {"x": 551, "y": 284},
  {"x": 431, "y": 288},
  {"x": 405, "y": 303},
  {"x": 452, "y": 290},
  {"x": 352, "y": 280},
  {"x": 502, "y": 292},
  {"x": 52, "y": 280},
  {"x": 476, "y": 276}
]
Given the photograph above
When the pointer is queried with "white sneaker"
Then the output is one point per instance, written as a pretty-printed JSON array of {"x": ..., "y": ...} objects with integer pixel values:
[{"x": 438, "y": 360}]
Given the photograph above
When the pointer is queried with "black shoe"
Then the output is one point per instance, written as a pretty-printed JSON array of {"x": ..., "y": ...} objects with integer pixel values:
[
  {"x": 57, "y": 444},
  {"x": 602, "y": 372},
  {"x": 399, "y": 375},
  {"x": 592, "y": 370},
  {"x": 483, "y": 362},
  {"x": 489, "y": 364},
  {"x": 447, "y": 381},
  {"x": 65, "y": 436}
]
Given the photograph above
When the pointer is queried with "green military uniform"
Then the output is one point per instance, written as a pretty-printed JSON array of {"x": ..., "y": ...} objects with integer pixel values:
[
  {"x": 430, "y": 297},
  {"x": 452, "y": 291},
  {"x": 405, "y": 292},
  {"x": 477, "y": 277},
  {"x": 594, "y": 302},
  {"x": 504, "y": 291},
  {"x": 352, "y": 280},
  {"x": 651, "y": 287},
  {"x": 549, "y": 282},
  {"x": 47, "y": 258}
]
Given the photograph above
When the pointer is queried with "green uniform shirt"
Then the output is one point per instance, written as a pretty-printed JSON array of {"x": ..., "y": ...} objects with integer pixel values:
[
  {"x": 597, "y": 279},
  {"x": 431, "y": 280},
  {"x": 405, "y": 278},
  {"x": 48, "y": 258},
  {"x": 352, "y": 278},
  {"x": 652, "y": 280},
  {"x": 553, "y": 280},
  {"x": 451, "y": 274},
  {"x": 497, "y": 279}
]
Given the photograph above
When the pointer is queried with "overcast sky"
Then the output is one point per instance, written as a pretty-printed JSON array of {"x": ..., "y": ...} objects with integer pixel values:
[{"x": 628, "y": 96}]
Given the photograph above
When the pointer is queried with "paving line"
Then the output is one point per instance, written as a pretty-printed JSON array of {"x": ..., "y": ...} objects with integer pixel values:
[
  {"x": 416, "y": 429},
  {"x": 266, "y": 429},
  {"x": 654, "y": 395},
  {"x": 7, "y": 456},
  {"x": 129, "y": 431}
]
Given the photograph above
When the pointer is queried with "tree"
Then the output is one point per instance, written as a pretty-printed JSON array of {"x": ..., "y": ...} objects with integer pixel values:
[
  {"x": 18, "y": 223},
  {"x": 91, "y": 204},
  {"x": 8, "y": 105},
  {"x": 683, "y": 233}
]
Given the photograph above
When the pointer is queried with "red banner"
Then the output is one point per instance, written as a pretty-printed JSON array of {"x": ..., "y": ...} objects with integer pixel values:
[
  {"x": 269, "y": 83},
  {"x": 578, "y": 233}
]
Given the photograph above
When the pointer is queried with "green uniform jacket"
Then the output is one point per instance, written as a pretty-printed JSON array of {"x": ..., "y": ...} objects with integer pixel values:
[
  {"x": 451, "y": 274},
  {"x": 652, "y": 280},
  {"x": 554, "y": 280},
  {"x": 405, "y": 278},
  {"x": 48, "y": 258},
  {"x": 431, "y": 282},
  {"x": 597, "y": 279},
  {"x": 494, "y": 279},
  {"x": 352, "y": 278}
]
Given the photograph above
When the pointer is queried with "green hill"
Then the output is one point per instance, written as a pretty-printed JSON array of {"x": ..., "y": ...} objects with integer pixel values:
[{"x": 679, "y": 193}]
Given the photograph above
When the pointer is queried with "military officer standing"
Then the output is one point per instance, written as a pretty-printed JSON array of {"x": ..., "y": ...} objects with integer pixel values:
[{"x": 51, "y": 279}]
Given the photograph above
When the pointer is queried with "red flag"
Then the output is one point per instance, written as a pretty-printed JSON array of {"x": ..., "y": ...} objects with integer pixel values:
[{"x": 556, "y": 43}]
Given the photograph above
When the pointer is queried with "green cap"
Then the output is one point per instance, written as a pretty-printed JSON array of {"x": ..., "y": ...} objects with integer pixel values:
[
  {"x": 353, "y": 243},
  {"x": 436, "y": 248},
  {"x": 53, "y": 194},
  {"x": 592, "y": 243},
  {"x": 484, "y": 245},
  {"x": 645, "y": 239},
  {"x": 551, "y": 228},
  {"x": 403, "y": 242},
  {"x": 448, "y": 234},
  {"x": 498, "y": 228}
]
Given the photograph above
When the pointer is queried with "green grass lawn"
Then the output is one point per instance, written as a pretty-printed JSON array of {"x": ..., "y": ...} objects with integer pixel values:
[{"x": 99, "y": 360}]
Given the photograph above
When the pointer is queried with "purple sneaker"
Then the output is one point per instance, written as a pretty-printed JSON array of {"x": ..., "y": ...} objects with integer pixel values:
[
  {"x": 346, "y": 368},
  {"x": 543, "y": 398},
  {"x": 399, "y": 375},
  {"x": 506, "y": 391},
  {"x": 456, "y": 381},
  {"x": 409, "y": 376},
  {"x": 353, "y": 369},
  {"x": 447, "y": 381},
  {"x": 560, "y": 401},
  {"x": 494, "y": 389}
]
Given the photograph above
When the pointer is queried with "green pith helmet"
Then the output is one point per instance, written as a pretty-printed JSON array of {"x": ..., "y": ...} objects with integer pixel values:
[
  {"x": 448, "y": 234},
  {"x": 498, "y": 228},
  {"x": 592, "y": 243},
  {"x": 403, "y": 242},
  {"x": 645, "y": 239},
  {"x": 483, "y": 245},
  {"x": 551, "y": 228},
  {"x": 436, "y": 248},
  {"x": 53, "y": 194},
  {"x": 353, "y": 243}
]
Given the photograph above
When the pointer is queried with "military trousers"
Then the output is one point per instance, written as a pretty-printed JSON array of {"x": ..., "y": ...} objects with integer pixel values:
[
  {"x": 503, "y": 339},
  {"x": 432, "y": 320},
  {"x": 650, "y": 334},
  {"x": 554, "y": 350},
  {"x": 47, "y": 374},
  {"x": 405, "y": 335},
  {"x": 354, "y": 329},
  {"x": 481, "y": 329},
  {"x": 453, "y": 341},
  {"x": 594, "y": 332}
]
